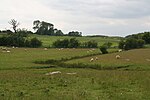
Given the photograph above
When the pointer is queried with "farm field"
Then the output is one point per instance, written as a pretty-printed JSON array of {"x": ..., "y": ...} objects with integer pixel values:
[
  {"x": 138, "y": 59},
  {"x": 24, "y": 57},
  {"x": 21, "y": 78},
  {"x": 48, "y": 40}
]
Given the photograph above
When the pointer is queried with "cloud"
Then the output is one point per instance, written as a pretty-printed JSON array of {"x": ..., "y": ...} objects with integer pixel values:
[{"x": 110, "y": 17}]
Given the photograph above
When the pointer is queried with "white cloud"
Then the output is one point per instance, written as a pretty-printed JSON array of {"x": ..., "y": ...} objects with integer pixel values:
[{"x": 113, "y": 17}]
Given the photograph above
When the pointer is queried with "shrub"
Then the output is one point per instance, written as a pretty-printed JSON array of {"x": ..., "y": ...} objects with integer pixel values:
[
  {"x": 90, "y": 44},
  {"x": 131, "y": 43},
  {"x": 103, "y": 49},
  {"x": 107, "y": 44},
  {"x": 35, "y": 43},
  {"x": 73, "y": 43},
  {"x": 66, "y": 43}
]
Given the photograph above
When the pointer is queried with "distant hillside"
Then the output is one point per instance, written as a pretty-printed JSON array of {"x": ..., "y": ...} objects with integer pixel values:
[{"x": 48, "y": 40}]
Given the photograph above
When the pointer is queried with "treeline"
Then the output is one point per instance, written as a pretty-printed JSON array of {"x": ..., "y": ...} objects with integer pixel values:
[
  {"x": 144, "y": 36},
  {"x": 74, "y": 43},
  {"x": 135, "y": 41},
  {"x": 19, "y": 40},
  {"x": 45, "y": 28}
]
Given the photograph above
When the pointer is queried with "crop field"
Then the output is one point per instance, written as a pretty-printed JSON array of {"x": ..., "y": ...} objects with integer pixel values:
[{"x": 21, "y": 78}]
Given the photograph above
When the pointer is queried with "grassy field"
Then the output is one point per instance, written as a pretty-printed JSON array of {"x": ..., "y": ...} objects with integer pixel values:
[
  {"x": 48, "y": 40},
  {"x": 138, "y": 59},
  {"x": 21, "y": 58},
  {"x": 21, "y": 78}
]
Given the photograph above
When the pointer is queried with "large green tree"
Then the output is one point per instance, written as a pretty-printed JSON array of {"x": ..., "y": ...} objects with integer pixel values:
[{"x": 43, "y": 28}]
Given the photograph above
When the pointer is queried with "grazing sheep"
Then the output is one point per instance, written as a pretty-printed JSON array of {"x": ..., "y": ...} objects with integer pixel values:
[
  {"x": 45, "y": 49},
  {"x": 120, "y": 50},
  {"x": 25, "y": 49},
  {"x": 51, "y": 73},
  {"x": 92, "y": 59},
  {"x": 8, "y": 51},
  {"x": 4, "y": 48},
  {"x": 117, "y": 56},
  {"x": 13, "y": 47},
  {"x": 96, "y": 58},
  {"x": 71, "y": 73}
]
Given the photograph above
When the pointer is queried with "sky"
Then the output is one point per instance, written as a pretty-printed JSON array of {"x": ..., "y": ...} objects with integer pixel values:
[{"x": 91, "y": 17}]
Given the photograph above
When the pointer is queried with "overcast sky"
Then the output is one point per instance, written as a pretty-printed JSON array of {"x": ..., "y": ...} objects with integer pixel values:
[{"x": 101, "y": 17}]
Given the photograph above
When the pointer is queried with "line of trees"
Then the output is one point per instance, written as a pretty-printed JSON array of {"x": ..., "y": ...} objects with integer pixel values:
[
  {"x": 131, "y": 43},
  {"x": 41, "y": 28},
  {"x": 144, "y": 36},
  {"x": 135, "y": 41},
  {"x": 19, "y": 40},
  {"x": 74, "y": 43},
  {"x": 45, "y": 28}
]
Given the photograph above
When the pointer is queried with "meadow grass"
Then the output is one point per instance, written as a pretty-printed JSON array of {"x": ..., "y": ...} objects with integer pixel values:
[
  {"x": 87, "y": 84},
  {"x": 138, "y": 59},
  {"x": 21, "y": 78},
  {"x": 21, "y": 58},
  {"x": 48, "y": 40}
]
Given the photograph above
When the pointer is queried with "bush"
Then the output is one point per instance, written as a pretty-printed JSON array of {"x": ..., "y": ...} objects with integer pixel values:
[
  {"x": 90, "y": 44},
  {"x": 131, "y": 43},
  {"x": 19, "y": 40},
  {"x": 35, "y": 43},
  {"x": 107, "y": 44},
  {"x": 73, "y": 43},
  {"x": 103, "y": 49},
  {"x": 12, "y": 40},
  {"x": 66, "y": 43}
]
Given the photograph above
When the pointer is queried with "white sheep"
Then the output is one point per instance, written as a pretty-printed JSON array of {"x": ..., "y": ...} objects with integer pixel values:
[
  {"x": 51, "y": 73},
  {"x": 8, "y": 51},
  {"x": 96, "y": 58},
  {"x": 4, "y": 48},
  {"x": 45, "y": 49},
  {"x": 92, "y": 59},
  {"x": 120, "y": 50},
  {"x": 71, "y": 73},
  {"x": 117, "y": 56}
]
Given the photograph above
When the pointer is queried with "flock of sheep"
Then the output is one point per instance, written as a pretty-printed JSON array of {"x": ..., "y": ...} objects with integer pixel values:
[
  {"x": 117, "y": 57},
  {"x": 7, "y": 50},
  {"x": 4, "y": 49}
]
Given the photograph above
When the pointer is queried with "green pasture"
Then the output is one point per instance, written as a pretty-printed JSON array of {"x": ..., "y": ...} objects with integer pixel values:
[
  {"x": 87, "y": 84},
  {"x": 22, "y": 79},
  {"x": 138, "y": 59},
  {"x": 24, "y": 57},
  {"x": 48, "y": 40}
]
